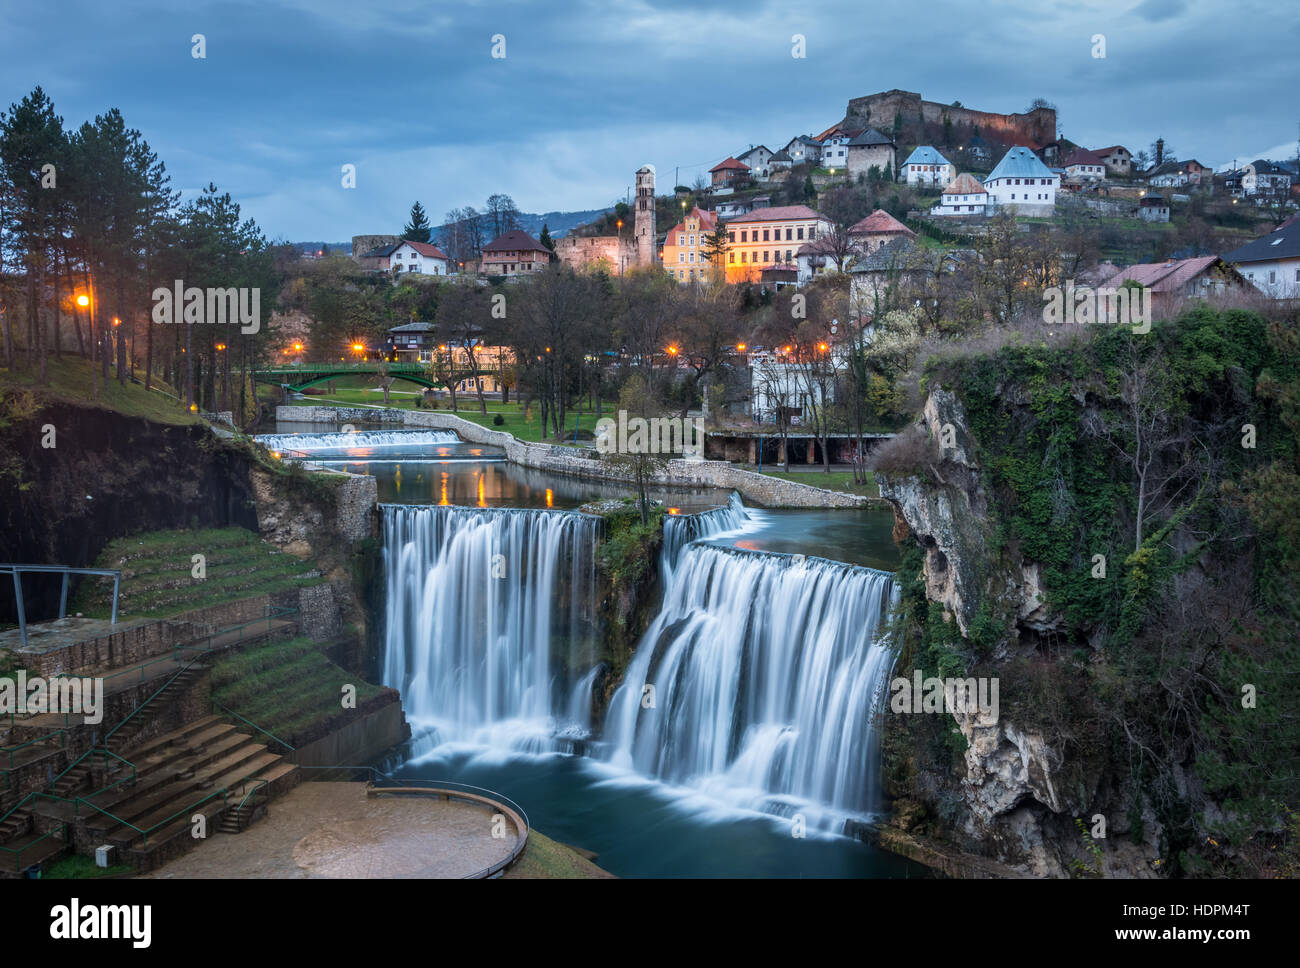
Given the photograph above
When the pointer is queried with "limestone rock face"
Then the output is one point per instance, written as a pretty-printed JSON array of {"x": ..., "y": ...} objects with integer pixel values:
[{"x": 1020, "y": 793}]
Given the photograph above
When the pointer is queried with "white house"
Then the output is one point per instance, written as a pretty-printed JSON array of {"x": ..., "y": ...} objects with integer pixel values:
[
  {"x": 925, "y": 166},
  {"x": 1022, "y": 184},
  {"x": 835, "y": 149},
  {"x": 964, "y": 195},
  {"x": 804, "y": 149},
  {"x": 1087, "y": 165},
  {"x": 1272, "y": 263},
  {"x": 418, "y": 257},
  {"x": 1265, "y": 178},
  {"x": 776, "y": 384},
  {"x": 759, "y": 160}
]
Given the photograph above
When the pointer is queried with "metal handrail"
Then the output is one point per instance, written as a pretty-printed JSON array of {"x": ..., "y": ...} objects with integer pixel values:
[
  {"x": 253, "y": 792},
  {"x": 15, "y": 569},
  {"x": 17, "y": 852},
  {"x": 11, "y": 750},
  {"x": 223, "y": 793},
  {"x": 271, "y": 612},
  {"x": 249, "y": 722}
]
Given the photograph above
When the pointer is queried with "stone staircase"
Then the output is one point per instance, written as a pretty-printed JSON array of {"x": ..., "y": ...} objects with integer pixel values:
[
  {"x": 177, "y": 778},
  {"x": 154, "y": 707}
]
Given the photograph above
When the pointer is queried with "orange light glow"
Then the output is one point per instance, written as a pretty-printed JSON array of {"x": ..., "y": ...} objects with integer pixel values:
[
  {"x": 785, "y": 349},
  {"x": 822, "y": 347},
  {"x": 443, "y": 348},
  {"x": 194, "y": 408},
  {"x": 359, "y": 347},
  {"x": 221, "y": 346},
  {"x": 674, "y": 511},
  {"x": 116, "y": 321},
  {"x": 550, "y": 498},
  {"x": 741, "y": 347},
  {"x": 672, "y": 351},
  {"x": 275, "y": 454},
  {"x": 83, "y": 300},
  {"x": 297, "y": 347}
]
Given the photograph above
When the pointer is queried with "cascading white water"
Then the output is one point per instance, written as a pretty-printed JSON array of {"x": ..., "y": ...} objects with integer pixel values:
[
  {"x": 368, "y": 439},
  {"x": 759, "y": 683},
  {"x": 681, "y": 529},
  {"x": 490, "y": 630},
  {"x": 766, "y": 673}
]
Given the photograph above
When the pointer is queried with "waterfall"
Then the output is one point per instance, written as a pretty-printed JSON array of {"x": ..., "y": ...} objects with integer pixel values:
[
  {"x": 681, "y": 529},
  {"x": 362, "y": 439},
  {"x": 759, "y": 683},
  {"x": 490, "y": 626}
]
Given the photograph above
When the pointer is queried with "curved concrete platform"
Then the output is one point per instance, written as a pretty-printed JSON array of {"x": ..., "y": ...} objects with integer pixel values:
[{"x": 336, "y": 830}]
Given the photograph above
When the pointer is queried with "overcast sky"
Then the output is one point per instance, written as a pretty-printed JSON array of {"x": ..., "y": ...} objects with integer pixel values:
[{"x": 409, "y": 93}]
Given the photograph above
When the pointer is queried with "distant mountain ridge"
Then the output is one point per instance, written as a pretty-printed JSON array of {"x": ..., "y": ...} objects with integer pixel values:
[{"x": 558, "y": 223}]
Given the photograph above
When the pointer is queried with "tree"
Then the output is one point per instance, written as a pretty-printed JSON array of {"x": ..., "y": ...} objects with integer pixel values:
[
  {"x": 715, "y": 246},
  {"x": 638, "y": 399},
  {"x": 1004, "y": 269},
  {"x": 501, "y": 215},
  {"x": 545, "y": 238},
  {"x": 465, "y": 322},
  {"x": 417, "y": 228}
]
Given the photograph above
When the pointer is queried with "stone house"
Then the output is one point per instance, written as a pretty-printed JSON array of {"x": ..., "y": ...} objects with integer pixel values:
[
  {"x": 514, "y": 253},
  {"x": 869, "y": 148}
]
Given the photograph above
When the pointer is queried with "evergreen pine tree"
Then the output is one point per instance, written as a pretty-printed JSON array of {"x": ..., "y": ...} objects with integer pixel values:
[{"x": 418, "y": 228}]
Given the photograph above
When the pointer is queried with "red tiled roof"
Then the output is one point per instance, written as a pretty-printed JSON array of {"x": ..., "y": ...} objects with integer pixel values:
[
  {"x": 425, "y": 249},
  {"x": 779, "y": 213},
  {"x": 729, "y": 164},
  {"x": 1082, "y": 156},
  {"x": 964, "y": 184},
  {"x": 880, "y": 222},
  {"x": 708, "y": 221},
  {"x": 1106, "y": 151},
  {"x": 1162, "y": 276},
  {"x": 516, "y": 240}
]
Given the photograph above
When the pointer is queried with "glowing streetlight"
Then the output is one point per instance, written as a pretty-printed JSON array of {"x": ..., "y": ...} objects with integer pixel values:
[
  {"x": 741, "y": 347},
  {"x": 672, "y": 351},
  {"x": 221, "y": 347},
  {"x": 83, "y": 300}
]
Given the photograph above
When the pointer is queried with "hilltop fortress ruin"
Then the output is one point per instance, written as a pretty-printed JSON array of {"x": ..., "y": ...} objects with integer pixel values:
[{"x": 1033, "y": 128}]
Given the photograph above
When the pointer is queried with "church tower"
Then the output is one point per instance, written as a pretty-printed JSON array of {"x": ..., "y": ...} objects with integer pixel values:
[{"x": 645, "y": 216}]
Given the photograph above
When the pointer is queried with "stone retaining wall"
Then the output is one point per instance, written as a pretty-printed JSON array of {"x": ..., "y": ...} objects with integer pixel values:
[{"x": 586, "y": 463}]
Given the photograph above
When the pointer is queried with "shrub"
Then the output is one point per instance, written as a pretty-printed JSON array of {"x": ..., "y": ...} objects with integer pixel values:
[{"x": 498, "y": 421}]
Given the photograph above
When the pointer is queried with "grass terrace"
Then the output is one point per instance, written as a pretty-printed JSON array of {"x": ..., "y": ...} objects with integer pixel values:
[
  {"x": 70, "y": 382},
  {"x": 834, "y": 481},
  {"x": 158, "y": 580},
  {"x": 286, "y": 688}
]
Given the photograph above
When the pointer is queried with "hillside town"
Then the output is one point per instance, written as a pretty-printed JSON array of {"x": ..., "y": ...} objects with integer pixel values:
[{"x": 902, "y": 205}]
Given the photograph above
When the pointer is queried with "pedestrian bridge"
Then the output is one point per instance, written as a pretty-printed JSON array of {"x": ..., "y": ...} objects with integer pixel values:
[{"x": 302, "y": 375}]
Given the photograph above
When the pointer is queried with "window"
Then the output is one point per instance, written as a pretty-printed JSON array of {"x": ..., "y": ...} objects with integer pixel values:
[
  {"x": 788, "y": 233},
  {"x": 788, "y": 254},
  {"x": 731, "y": 237},
  {"x": 692, "y": 255},
  {"x": 765, "y": 258},
  {"x": 733, "y": 257},
  {"x": 681, "y": 256},
  {"x": 812, "y": 232},
  {"x": 692, "y": 240},
  {"x": 801, "y": 232},
  {"x": 742, "y": 257},
  {"x": 744, "y": 236},
  {"x": 1272, "y": 276},
  {"x": 765, "y": 234}
]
